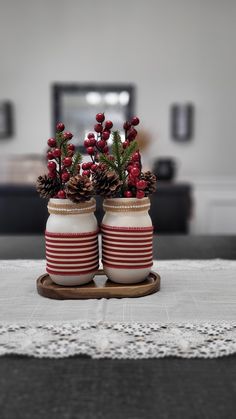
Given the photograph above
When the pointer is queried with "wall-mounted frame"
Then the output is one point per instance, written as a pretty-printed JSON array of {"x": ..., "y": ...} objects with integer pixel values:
[
  {"x": 182, "y": 121},
  {"x": 77, "y": 104},
  {"x": 6, "y": 120}
]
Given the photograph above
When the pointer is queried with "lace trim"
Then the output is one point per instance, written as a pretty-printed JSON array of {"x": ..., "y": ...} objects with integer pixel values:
[{"x": 119, "y": 340}]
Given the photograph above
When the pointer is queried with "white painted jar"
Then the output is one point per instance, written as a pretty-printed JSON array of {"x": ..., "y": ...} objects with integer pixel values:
[
  {"x": 71, "y": 242},
  {"x": 127, "y": 235}
]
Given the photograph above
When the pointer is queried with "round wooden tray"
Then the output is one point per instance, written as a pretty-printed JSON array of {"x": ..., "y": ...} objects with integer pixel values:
[{"x": 100, "y": 287}]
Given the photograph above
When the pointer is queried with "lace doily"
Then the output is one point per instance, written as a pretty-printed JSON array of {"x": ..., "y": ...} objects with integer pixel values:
[{"x": 119, "y": 340}]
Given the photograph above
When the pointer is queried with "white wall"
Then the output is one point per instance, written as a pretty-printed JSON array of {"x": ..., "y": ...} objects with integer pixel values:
[{"x": 175, "y": 50}]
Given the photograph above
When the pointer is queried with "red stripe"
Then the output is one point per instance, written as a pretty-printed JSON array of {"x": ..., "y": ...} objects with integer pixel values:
[
  {"x": 125, "y": 229},
  {"x": 71, "y": 235},
  {"x": 55, "y": 265},
  {"x": 83, "y": 246},
  {"x": 118, "y": 240},
  {"x": 142, "y": 260},
  {"x": 134, "y": 246},
  {"x": 128, "y": 236},
  {"x": 125, "y": 256},
  {"x": 55, "y": 256},
  {"x": 111, "y": 265},
  {"x": 72, "y": 252},
  {"x": 70, "y": 262},
  {"x": 125, "y": 251},
  {"x": 54, "y": 272},
  {"x": 92, "y": 240}
]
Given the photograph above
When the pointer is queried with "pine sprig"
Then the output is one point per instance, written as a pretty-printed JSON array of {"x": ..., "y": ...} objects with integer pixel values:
[
  {"x": 109, "y": 163},
  {"x": 77, "y": 158},
  {"x": 129, "y": 151},
  {"x": 117, "y": 150}
]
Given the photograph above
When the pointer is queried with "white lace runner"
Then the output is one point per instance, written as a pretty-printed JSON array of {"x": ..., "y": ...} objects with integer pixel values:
[
  {"x": 119, "y": 341},
  {"x": 194, "y": 315}
]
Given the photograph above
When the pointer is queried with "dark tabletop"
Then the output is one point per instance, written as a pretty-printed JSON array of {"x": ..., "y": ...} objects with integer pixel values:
[{"x": 155, "y": 388}]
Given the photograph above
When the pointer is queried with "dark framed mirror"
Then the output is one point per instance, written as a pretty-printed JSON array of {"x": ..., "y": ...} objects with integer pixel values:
[{"x": 77, "y": 104}]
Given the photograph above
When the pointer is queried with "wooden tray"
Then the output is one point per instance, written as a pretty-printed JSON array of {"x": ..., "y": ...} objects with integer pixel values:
[{"x": 100, "y": 287}]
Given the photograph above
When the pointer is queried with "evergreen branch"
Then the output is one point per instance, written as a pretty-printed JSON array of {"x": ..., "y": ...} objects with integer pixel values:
[
  {"x": 116, "y": 146},
  {"x": 76, "y": 160},
  {"x": 110, "y": 164},
  {"x": 129, "y": 151},
  {"x": 117, "y": 150}
]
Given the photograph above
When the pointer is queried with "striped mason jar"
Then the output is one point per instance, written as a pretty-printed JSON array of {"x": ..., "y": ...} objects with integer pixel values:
[
  {"x": 127, "y": 234},
  {"x": 71, "y": 242}
]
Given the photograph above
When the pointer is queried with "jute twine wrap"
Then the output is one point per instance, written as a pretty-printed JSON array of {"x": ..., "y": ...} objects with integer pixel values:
[
  {"x": 69, "y": 208},
  {"x": 126, "y": 205}
]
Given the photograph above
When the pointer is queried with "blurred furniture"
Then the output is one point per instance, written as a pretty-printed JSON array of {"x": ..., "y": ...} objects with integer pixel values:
[{"x": 22, "y": 211}]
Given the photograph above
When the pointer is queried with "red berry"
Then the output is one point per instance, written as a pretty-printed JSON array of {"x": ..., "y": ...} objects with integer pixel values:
[
  {"x": 140, "y": 194},
  {"x": 92, "y": 141},
  {"x": 136, "y": 156},
  {"x": 90, "y": 135},
  {"x": 65, "y": 176},
  {"x": 108, "y": 124},
  {"x": 67, "y": 135},
  {"x": 89, "y": 164},
  {"x": 94, "y": 167},
  {"x": 84, "y": 166},
  {"x": 60, "y": 127},
  {"x": 135, "y": 120},
  {"x": 127, "y": 125},
  {"x": 52, "y": 166},
  {"x": 131, "y": 181},
  {"x": 57, "y": 152},
  {"x": 129, "y": 167},
  {"x": 98, "y": 128},
  {"x": 132, "y": 134},
  {"x": 125, "y": 144},
  {"x": 52, "y": 142},
  {"x": 135, "y": 171},
  {"x": 53, "y": 174},
  {"x": 141, "y": 184},
  {"x": 71, "y": 147},
  {"x": 50, "y": 155},
  {"x": 86, "y": 143},
  {"x": 67, "y": 161},
  {"x": 90, "y": 150},
  {"x": 106, "y": 149},
  {"x": 105, "y": 135},
  {"x": 86, "y": 173},
  {"x": 100, "y": 117},
  {"x": 61, "y": 194},
  {"x": 128, "y": 194},
  {"x": 101, "y": 144}
]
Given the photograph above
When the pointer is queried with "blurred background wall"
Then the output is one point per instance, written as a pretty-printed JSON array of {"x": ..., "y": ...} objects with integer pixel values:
[{"x": 172, "y": 50}]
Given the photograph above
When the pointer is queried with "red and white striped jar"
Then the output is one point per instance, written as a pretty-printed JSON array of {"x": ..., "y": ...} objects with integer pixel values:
[
  {"x": 71, "y": 242},
  {"x": 127, "y": 234}
]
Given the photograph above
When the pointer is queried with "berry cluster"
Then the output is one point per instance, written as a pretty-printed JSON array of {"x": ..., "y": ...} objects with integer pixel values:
[
  {"x": 125, "y": 159},
  {"x": 63, "y": 160},
  {"x": 97, "y": 143}
]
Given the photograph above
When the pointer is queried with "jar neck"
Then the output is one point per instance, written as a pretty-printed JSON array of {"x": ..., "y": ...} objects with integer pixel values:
[
  {"x": 67, "y": 207},
  {"x": 126, "y": 205}
]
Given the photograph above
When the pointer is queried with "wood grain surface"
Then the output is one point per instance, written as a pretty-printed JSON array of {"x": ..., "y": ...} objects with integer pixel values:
[{"x": 100, "y": 287}]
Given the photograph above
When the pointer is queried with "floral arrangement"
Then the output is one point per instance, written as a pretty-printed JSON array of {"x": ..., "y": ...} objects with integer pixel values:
[{"x": 114, "y": 171}]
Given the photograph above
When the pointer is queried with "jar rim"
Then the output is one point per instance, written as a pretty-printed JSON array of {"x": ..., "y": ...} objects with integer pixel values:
[
  {"x": 126, "y": 204},
  {"x": 67, "y": 207}
]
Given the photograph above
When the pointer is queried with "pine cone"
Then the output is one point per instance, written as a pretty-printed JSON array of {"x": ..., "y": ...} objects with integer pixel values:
[
  {"x": 47, "y": 187},
  {"x": 151, "y": 180},
  {"x": 106, "y": 183},
  {"x": 79, "y": 189}
]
